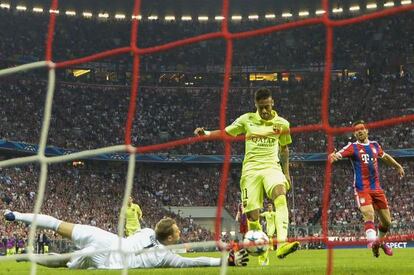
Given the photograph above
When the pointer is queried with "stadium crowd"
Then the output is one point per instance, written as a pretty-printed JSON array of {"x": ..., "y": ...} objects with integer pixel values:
[
  {"x": 24, "y": 33},
  {"x": 86, "y": 116}
]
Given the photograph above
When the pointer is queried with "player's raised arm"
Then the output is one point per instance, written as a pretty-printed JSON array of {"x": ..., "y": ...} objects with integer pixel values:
[
  {"x": 392, "y": 162},
  {"x": 200, "y": 131},
  {"x": 284, "y": 160},
  {"x": 235, "y": 129},
  {"x": 334, "y": 156}
]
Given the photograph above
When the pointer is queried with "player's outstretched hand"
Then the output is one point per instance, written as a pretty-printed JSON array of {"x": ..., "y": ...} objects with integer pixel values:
[
  {"x": 401, "y": 172},
  {"x": 238, "y": 258},
  {"x": 199, "y": 131},
  {"x": 334, "y": 157}
]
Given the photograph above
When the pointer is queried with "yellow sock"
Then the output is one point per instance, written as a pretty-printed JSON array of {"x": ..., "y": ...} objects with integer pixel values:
[
  {"x": 254, "y": 225},
  {"x": 271, "y": 243},
  {"x": 263, "y": 258},
  {"x": 282, "y": 218}
]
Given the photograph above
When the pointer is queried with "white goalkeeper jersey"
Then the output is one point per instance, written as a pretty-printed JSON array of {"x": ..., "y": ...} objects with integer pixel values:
[{"x": 141, "y": 250}]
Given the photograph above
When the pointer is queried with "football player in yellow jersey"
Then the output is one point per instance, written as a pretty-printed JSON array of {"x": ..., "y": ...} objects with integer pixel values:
[
  {"x": 270, "y": 217},
  {"x": 133, "y": 216},
  {"x": 267, "y": 137}
]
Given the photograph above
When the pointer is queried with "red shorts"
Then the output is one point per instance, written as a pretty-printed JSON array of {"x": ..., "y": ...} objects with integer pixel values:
[
  {"x": 243, "y": 229},
  {"x": 377, "y": 199}
]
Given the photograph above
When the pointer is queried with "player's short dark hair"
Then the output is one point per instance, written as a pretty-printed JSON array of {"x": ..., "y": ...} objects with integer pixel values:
[
  {"x": 164, "y": 229},
  {"x": 262, "y": 93},
  {"x": 360, "y": 121}
]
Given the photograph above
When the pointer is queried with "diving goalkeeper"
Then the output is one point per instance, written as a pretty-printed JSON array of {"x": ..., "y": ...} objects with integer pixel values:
[{"x": 145, "y": 249}]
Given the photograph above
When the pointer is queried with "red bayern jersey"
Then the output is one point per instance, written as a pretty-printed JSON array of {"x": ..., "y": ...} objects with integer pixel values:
[{"x": 364, "y": 159}]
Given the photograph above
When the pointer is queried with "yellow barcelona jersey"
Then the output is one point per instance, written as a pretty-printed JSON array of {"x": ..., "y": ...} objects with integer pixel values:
[
  {"x": 270, "y": 217},
  {"x": 133, "y": 214},
  {"x": 263, "y": 138}
]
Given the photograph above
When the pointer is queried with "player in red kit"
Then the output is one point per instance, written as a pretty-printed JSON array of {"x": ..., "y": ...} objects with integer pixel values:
[
  {"x": 241, "y": 218},
  {"x": 370, "y": 197}
]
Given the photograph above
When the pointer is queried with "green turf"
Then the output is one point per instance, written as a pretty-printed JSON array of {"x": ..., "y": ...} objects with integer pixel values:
[{"x": 303, "y": 262}]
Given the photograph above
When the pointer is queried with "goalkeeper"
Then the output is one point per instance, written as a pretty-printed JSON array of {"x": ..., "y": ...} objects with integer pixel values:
[
  {"x": 145, "y": 249},
  {"x": 265, "y": 134}
]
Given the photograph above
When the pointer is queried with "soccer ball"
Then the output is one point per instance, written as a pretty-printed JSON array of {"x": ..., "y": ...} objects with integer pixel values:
[{"x": 255, "y": 242}]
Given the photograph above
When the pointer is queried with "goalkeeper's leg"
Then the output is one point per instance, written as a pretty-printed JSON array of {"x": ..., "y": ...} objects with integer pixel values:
[{"x": 43, "y": 221}]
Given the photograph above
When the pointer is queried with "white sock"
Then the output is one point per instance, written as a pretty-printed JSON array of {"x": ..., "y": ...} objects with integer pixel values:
[
  {"x": 43, "y": 221},
  {"x": 371, "y": 235}
]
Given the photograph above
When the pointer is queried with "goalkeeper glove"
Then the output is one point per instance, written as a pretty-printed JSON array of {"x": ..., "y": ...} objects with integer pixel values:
[{"x": 238, "y": 258}]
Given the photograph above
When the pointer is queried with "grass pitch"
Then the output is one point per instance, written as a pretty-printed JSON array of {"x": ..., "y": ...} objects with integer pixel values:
[{"x": 303, "y": 262}]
